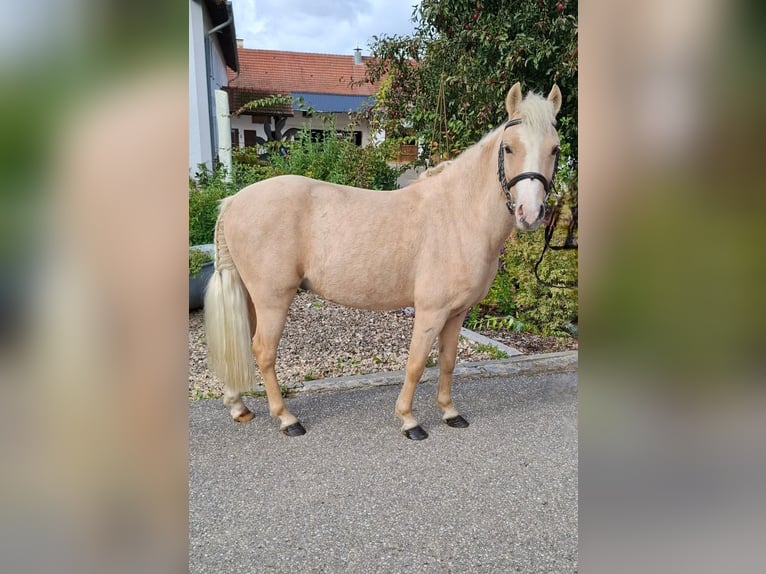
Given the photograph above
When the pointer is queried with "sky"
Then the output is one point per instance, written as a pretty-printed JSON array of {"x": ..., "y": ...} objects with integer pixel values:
[{"x": 323, "y": 26}]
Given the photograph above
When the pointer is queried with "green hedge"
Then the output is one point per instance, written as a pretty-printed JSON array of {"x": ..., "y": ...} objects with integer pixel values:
[{"x": 338, "y": 160}]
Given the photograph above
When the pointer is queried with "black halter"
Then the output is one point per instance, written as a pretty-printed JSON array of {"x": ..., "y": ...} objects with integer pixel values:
[{"x": 507, "y": 185}]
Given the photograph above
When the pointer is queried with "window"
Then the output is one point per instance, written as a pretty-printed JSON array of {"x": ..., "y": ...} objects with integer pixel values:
[
  {"x": 250, "y": 136},
  {"x": 319, "y": 135}
]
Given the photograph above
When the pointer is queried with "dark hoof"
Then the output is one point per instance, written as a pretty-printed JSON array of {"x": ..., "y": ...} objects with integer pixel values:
[
  {"x": 457, "y": 422},
  {"x": 416, "y": 433},
  {"x": 295, "y": 429}
]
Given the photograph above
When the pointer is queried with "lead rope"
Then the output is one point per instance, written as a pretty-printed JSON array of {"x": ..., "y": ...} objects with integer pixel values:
[{"x": 568, "y": 243}]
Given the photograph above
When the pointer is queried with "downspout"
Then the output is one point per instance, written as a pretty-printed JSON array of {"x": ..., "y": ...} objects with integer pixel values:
[{"x": 209, "y": 78}]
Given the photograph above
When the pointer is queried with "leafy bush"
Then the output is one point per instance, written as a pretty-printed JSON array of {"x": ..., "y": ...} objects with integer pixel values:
[
  {"x": 197, "y": 259},
  {"x": 337, "y": 159},
  {"x": 204, "y": 195},
  {"x": 246, "y": 156},
  {"x": 541, "y": 309}
]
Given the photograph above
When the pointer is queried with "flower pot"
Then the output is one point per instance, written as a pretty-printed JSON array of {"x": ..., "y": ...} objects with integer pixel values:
[
  {"x": 198, "y": 282},
  {"x": 197, "y": 285}
]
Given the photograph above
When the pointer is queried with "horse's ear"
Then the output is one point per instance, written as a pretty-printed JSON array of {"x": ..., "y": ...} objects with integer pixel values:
[
  {"x": 513, "y": 99},
  {"x": 555, "y": 98}
]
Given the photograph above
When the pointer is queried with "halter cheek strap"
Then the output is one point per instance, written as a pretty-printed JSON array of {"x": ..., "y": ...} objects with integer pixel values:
[{"x": 507, "y": 185}]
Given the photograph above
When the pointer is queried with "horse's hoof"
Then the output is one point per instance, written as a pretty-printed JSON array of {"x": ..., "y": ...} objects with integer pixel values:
[
  {"x": 295, "y": 429},
  {"x": 457, "y": 422},
  {"x": 416, "y": 433},
  {"x": 244, "y": 417}
]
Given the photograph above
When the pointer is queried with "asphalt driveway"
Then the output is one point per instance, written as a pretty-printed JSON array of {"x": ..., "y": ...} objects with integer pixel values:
[{"x": 353, "y": 495}]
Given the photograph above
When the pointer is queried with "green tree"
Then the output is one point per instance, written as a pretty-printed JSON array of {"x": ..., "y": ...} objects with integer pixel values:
[{"x": 477, "y": 49}]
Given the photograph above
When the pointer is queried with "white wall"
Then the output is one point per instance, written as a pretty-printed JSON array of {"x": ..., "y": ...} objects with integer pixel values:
[
  {"x": 199, "y": 125},
  {"x": 200, "y": 149}
]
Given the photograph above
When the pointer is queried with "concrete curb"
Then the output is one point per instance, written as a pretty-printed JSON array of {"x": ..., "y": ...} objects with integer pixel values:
[
  {"x": 565, "y": 361},
  {"x": 482, "y": 340}
]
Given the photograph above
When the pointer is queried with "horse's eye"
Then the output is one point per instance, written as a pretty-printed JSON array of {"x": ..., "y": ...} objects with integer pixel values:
[
  {"x": 555, "y": 150},
  {"x": 507, "y": 148}
]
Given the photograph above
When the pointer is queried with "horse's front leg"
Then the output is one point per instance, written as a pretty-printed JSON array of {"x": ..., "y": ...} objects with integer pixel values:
[
  {"x": 428, "y": 325},
  {"x": 448, "y": 340}
]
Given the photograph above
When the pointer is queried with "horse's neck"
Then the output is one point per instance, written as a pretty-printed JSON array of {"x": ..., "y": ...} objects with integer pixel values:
[{"x": 473, "y": 183}]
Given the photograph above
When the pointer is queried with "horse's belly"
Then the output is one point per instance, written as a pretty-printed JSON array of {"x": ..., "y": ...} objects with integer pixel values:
[{"x": 361, "y": 292}]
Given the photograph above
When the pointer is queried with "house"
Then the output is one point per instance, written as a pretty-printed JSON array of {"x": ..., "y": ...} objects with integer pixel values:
[
  {"x": 212, "y": 56},
  {"x": 328, "y": 83}
]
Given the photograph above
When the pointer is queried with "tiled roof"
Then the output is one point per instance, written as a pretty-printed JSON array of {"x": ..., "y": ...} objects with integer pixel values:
[{"x": 286, "y": 72}]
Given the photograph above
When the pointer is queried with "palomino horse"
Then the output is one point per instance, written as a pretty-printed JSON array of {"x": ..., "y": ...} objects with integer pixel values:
[{"x": 433, "y": 245}]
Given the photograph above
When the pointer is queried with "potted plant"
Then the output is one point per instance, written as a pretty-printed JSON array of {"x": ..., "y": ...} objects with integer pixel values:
[{"x": 201, "y": 263}]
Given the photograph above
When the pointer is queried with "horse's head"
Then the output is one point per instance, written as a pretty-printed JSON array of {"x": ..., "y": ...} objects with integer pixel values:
[{"x": 528, "y": 153}]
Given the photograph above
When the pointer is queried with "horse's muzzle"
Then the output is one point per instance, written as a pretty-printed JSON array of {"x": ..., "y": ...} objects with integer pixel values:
[{"x": 523, "y": 222}]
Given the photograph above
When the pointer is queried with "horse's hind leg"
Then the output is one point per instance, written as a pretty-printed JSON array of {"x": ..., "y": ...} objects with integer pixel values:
[
  {"x": 231, "y": 398},
  {"x": 448, "y": 340},
  {"x": 233, "y": 401},
  {"x": 271, "y": 322},
  {"x": 427, "y": 326}
]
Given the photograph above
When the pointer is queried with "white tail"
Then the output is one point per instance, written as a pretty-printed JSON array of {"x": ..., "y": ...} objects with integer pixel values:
[{"x": 227, "y": 325}]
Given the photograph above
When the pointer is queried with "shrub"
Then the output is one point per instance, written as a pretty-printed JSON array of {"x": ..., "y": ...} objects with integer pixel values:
[
  {"x": 337, "y": 159},
  {"x": 246, "y": 156},
  {"x": 197, "y": 259},
  {"x": 541, "y": 309},
  {"x": 203, "y": 207}
]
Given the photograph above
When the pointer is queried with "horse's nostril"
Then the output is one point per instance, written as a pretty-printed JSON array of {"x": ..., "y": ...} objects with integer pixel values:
[{"x": 542, "y": 212}]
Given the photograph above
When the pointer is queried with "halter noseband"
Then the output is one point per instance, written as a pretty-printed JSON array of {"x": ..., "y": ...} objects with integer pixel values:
[{"x": 507, "y": 185}]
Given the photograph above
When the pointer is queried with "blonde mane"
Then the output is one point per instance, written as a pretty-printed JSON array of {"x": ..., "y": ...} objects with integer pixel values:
[{"x": 537, "y": 113}]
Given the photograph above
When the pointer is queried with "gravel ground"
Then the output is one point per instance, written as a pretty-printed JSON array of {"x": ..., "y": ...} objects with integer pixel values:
[{"x": 322, "y": 339}]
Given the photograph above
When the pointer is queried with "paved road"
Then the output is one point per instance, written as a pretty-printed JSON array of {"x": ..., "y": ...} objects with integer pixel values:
[{"x": 353, "y": 495}]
